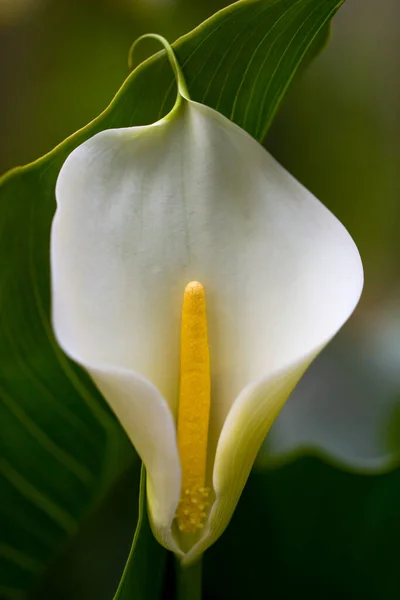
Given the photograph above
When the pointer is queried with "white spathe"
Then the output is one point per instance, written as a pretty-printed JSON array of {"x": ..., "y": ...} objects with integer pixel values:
[{"x": 141, "y": 212}]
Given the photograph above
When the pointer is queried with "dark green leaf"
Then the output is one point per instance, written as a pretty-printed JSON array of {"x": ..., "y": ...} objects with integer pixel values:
[
  {"x": 144, "y": 572},
  {"x": 310, "y": 530},
  {"x": 61, "y": 448}
]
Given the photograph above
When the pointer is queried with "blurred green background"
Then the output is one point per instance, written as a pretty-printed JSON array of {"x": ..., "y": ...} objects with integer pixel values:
[{"x": 312, "y": 526}]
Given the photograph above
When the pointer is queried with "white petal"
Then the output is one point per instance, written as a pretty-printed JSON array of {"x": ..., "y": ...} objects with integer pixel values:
[{"x": 141, "y": 212}]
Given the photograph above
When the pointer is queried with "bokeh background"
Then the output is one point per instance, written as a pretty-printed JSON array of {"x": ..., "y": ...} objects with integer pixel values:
[{"x": 327, "y": 523}]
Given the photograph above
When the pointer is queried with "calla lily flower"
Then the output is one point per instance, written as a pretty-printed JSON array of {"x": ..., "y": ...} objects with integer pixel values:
[{"x": 141, "y": 212}]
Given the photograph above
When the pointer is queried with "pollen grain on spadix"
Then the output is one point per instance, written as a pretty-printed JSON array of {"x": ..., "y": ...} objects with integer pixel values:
[{"x": 194, "y": 410}]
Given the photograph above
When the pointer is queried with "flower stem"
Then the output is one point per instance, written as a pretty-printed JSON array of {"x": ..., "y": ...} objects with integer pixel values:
[
  {"x": 189, "y": 580},
  {"x": 180, "y": 79}
]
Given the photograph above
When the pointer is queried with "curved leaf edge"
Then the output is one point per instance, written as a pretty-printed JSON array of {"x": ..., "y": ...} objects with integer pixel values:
[{"x": 319, "y": 40}]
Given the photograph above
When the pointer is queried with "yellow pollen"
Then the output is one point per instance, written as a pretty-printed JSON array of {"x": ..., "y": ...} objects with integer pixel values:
[{"x": 194, "y": 409}]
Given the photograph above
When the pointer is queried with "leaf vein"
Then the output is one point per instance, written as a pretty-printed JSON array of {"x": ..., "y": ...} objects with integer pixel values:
[
  {"x": 63, "y": 519},
  {"x": 81, "y": 472}
]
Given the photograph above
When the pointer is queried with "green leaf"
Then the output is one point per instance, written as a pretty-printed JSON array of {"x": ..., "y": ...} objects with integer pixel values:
[
  {"x": 143, "y": 576},
  {"x": 310, "y": 530},
  {"x": 61, "y": 447}
]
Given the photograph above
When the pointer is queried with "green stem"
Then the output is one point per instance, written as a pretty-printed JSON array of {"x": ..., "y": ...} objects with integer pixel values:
[
  {"x": 180, "y": 79},
  {"x": 189, "y": 581}
]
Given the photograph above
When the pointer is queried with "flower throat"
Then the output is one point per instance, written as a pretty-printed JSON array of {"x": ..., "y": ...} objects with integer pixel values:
[{"x": 194, "y": 409}]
